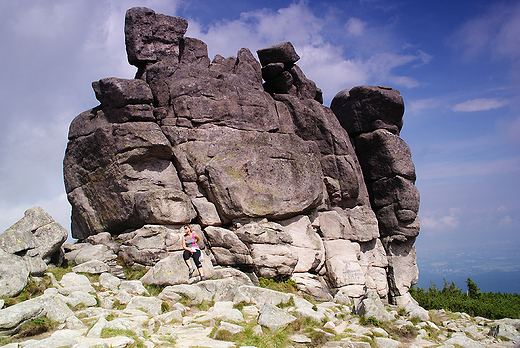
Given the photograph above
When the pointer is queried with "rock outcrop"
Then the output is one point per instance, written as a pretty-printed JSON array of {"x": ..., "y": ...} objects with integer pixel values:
[
  {"x": 373, "y": 117},
  {"x": 247, "y": 153},
  {"x": 27, "y": 247}
]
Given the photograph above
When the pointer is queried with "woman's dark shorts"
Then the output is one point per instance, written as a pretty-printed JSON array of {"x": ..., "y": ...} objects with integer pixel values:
[{"x": 196, "y": 257}]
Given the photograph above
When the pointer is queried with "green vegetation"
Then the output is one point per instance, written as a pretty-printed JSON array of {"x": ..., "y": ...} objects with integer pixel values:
[
  {"x": 36, "y": 326},
  {"x": 287, "y": 286},
  {"x": 289, "y": 303},
  {"x": 369, "y": 321},
  {"x": 475, "y": 303},
  {"x": 276, "y": 339},
  {"x": 59, "y": 272},
  {"x": 32, "y": 289},
  {"x": 107, "y": 332}
]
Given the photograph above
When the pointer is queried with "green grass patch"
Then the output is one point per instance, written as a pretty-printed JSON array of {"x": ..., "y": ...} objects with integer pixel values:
[
  {"x": 32, "y": 289},
  {"x": 107, "y": 333},
  {"x": 369, "y": 321},
  {"x": 276, "y": 339},
  {"x": 289, "y": 303},
  {"x": 36, "y": 326},
  {"x": 110, "y": 317},
  {"x": 240, "y": 305},
  {"x": 134, "y": 274},
  {"x": 287, "y": 286},
  {"x": 165, "y": 307},
  {"x": 415, "y": 320},
  {"x": 154, "y": 290},
  {"x": 205, "y": 305},
  {"x": 118, "y": 305},
  {"x": 59, "y": 272}
]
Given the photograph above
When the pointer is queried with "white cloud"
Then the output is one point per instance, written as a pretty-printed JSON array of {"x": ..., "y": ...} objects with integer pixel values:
[
  {"x": 435, "y": 220},
  {"x": 416, "y": 107},
  {"x": 505, "y": 221},
  {"x": 480, "y": 104},
  {"x": 355, "y": 27},
  {"x": 496, "y": 32}
]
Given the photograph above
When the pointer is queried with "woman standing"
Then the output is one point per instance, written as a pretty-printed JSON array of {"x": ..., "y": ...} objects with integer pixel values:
[{"x": 191, "y": 249}]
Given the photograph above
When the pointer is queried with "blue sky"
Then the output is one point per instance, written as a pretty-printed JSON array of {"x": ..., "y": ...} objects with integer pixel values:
[{"x": 456, "y": 65}]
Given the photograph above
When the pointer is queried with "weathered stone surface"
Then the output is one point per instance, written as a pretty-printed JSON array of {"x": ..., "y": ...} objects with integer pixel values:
[
  {"x": 71, "y": 282},
  {"x": 402, "y": 266},
  {"x": 313, "y": 285},
  {"x": 272, "y": 260},
  {"x": 306, "y": 243},
  {"x": 342, "y": 263},
  {"x": 35, "y": 265},
  {"x": 371, "y": 306},
  {"x": 117, "y": 92},
  {"x": 227, "y": 248},
  {"x": 332, "y": 226},
  {"x": 36, "y": 230},
  {"x": 364, "y": 109},
  {"x": 12, "y": 317},
  {"x": 173, "y": 270},
  {"x": 148, "y": 245},
  {"x": 164, "y": 206},
  {"x": 363, "y": 223},
  {"x": 260, "y": 296},
  {"x": 49, "y": 238},
  {"x": 84, "y": 252},
  {"x": 13, "y": 274},
  {"x": 150, "y": 37},
  {"x": 109, "y": 281},
  {"x": 383, "y": 154},
  {"x": 274, "y": 318},
  {"x": 92, "y": 267},
  {"x": 206, "y": 212},
  {"x": 150, "y": 305},
  {"x": 280, "y": 53},
  {"x": 254, "y": 174},
  {"x": 385, "y": 342}
]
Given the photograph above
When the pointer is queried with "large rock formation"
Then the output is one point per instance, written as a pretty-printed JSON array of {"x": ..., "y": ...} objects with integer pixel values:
[
  {"x": 248, "y": 154},
  {"x": 373, "y": 118}
]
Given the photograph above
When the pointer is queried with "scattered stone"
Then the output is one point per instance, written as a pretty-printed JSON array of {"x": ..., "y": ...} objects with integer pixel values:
[
  {"x": 92, "y": 267},
  {"x": 274, "y": 318}
]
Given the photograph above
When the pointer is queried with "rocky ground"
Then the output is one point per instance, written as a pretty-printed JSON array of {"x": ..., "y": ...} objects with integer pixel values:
[{"x": 105, "y": 311}]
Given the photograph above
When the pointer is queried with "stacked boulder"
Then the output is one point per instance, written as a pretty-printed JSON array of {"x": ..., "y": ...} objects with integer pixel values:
[
  {"x": 27, "y": 247},
  {"x": 266, "y": 174},
  {"x": 373, "y": 117},
  {"x": 283, "y": 76}
]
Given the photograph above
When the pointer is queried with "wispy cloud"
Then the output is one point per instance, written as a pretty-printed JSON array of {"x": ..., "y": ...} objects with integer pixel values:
[
  {"x": 480, "y": 104},
  {"x": 436, "y": 220},
  {"x": 496, "y": 32},
  {"x": 355, "y": 26},
  {"x": 416, "y": 107}
]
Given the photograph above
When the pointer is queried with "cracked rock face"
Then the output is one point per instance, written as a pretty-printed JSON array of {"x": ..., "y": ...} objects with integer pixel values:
[{"x": 241, "y": 145}]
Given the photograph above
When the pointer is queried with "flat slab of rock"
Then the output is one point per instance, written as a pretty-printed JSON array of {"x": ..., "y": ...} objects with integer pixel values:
[{"x": 274, "y": 318}]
